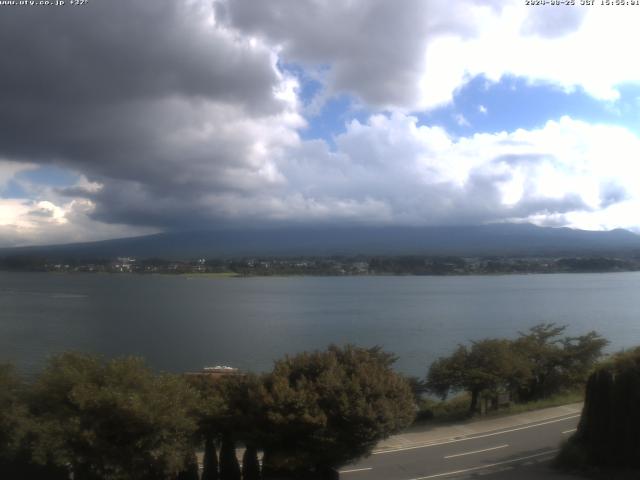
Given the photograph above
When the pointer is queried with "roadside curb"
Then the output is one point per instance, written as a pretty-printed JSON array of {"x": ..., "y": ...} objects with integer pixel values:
[{"x": 455, "y": 432}]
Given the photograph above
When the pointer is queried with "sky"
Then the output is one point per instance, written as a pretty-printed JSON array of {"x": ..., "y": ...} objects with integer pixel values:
[{"x": 128, "y": 117}]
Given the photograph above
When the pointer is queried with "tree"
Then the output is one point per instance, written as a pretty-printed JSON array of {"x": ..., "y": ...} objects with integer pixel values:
[
  {"x": 541, "y": 348},
  {"x": 250, "y": 464},
  {"x": 556, "y": 363},
  {"x": 580, "y": 355},
  {"x": 446, "y": 374},
  {"x": 13, "y": 415},
  {"x": 418, "y": 388},
  {"x": 17, "y": 434},
  {"x": 230, "y": 410},
  {"x": 535, "y": 365},
  {"x": 210, "y": 461},
  {"x": 488, "y": 366},
  {"x": 229, "y": 466},
  {"x": 113, "y": 420},
  {"x": 608, "y": 433},
  {"x": 328, "y": 407}
]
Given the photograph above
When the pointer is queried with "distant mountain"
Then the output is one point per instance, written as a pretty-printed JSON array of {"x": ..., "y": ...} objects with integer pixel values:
[{"x": 496, "y": 239}]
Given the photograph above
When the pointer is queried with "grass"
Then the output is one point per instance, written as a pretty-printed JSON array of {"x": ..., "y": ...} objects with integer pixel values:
[
  {"x": 457, "y": 408},
  {"x": 553, "y": 401},
  {"x": 211, "y": 275}
]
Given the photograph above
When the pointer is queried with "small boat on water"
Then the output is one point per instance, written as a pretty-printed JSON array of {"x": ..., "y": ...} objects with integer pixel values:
[
  {"x": 220, "y": 368},
  {"x": 216, "y": 372}
]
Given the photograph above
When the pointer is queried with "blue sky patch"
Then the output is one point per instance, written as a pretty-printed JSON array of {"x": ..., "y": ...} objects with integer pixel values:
[
  {"x": 49, "y": 176},
  {"x": 512, "y": 103}
]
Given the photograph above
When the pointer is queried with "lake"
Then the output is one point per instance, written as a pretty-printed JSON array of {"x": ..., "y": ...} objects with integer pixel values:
[{"x": 181, "y": 323}]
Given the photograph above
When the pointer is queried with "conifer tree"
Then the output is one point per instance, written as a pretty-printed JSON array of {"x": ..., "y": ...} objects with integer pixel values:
[
  {"x": 210, "y": 461},
  {"x": 250, "y": 464},
  {"x": 229, "y": 466}
]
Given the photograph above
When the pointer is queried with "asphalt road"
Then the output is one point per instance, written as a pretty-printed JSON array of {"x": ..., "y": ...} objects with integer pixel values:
[{"x": 488, "y": 453}]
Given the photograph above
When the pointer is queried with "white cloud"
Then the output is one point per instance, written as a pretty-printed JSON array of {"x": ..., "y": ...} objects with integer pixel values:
[
  {"x": 421, "y": 175},
  {"x": 461, "y": 120},
  {"x": 9, "y": 170},
  {"x": 387, "y": 170},
  {"x": 49, "y": 217},
  {"x": 414, "y": 55},
  {"x": 199, "y": 124}
]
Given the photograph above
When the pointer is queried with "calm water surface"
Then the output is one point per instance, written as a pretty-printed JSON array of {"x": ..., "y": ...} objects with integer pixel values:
[{"x": 181, "y": 323}]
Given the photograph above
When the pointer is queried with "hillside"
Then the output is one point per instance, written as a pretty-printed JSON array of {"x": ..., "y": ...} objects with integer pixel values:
[{"x": 498, "y": 239}]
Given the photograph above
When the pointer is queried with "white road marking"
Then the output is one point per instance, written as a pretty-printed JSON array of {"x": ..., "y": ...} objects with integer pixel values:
[
  {"x": 355, "y": 470},
  {"x": 569, "y": 431},
  {"x": 476, "y": 436},
  {"x": 466, "y": 470},
  {"x": 476, "y": 451}
]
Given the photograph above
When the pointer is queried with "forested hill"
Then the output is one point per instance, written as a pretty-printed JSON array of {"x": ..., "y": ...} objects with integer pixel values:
[{"x": 498, "y": 239}]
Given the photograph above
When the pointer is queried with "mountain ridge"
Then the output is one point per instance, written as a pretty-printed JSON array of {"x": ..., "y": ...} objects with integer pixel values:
[{"x": 494, "y": 239}]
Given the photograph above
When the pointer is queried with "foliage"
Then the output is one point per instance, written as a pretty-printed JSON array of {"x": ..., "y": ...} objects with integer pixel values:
[
  {"x": 13, "y": 414},
  {"x": 210, "y": 460},
  {"x": 451, "y": 409},
  {"x": 418, "y": 388},
  {"x": 487, "y": 366},
  {"x": 113, "y": 420},
  {"x": 535, "y": 366},
  {"x": 250, "y": 464},
  {"x": 328, "y": 407},
  {"x": 229, "y": 466},
  {"x": 555, "y": 364},
  {"x": 230, "y": 405},
  {"x": 16, "y": 426},
  {"x": 190, "y": 469},
  {"x": 609, "y": 429}
]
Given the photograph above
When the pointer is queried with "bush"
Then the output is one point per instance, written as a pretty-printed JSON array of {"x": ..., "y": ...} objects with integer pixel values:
[
  {"x": 328, "y": 407},
  {"x": 608, "y": 434}
]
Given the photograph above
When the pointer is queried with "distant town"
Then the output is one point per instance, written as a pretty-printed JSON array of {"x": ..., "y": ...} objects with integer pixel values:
[{"x": 331, "y": 266}]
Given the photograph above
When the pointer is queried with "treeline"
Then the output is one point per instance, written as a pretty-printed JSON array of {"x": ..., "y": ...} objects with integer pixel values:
[
  {"x": 536, "y": 365},
  {"x": 117, "y": 420},
  {"x": 91, "y": 419},
  {"x": 331, "y": 265}
]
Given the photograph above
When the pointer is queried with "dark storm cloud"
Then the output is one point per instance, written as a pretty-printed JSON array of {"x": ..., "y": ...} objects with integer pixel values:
[
  {"x": 101, "y": 87},
  {"x": 178, "y": 115},
  {"x": 127, "y": 50},
  {"x": 144, "y": 93},
  {"x": 373, "y": 48}
]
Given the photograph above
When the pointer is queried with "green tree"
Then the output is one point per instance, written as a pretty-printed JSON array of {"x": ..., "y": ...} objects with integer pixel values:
[
  {"x": 418, "y": 387},
  {"x": 250, "y": 464},
  {"x": 17, "y": 434},
  {"x": 114, "y": 420},
  {"x": 608, "y": 434},
  {"x": 229, "y": 466},
  {"x": 556, "y": 363},
  {"x": 541, "y": 347},
  {"x": 13, "y": 415},
  {"x": 580, "y": 356},
  {"x": 488, "y": 366},
  {"x": 210, "y": 460},
  {"x": 446, "y": 374},
  {"x": 537, "y": 364},
  {"x": 230, "y": 410},
  {"x": 328, "y": 407}
]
